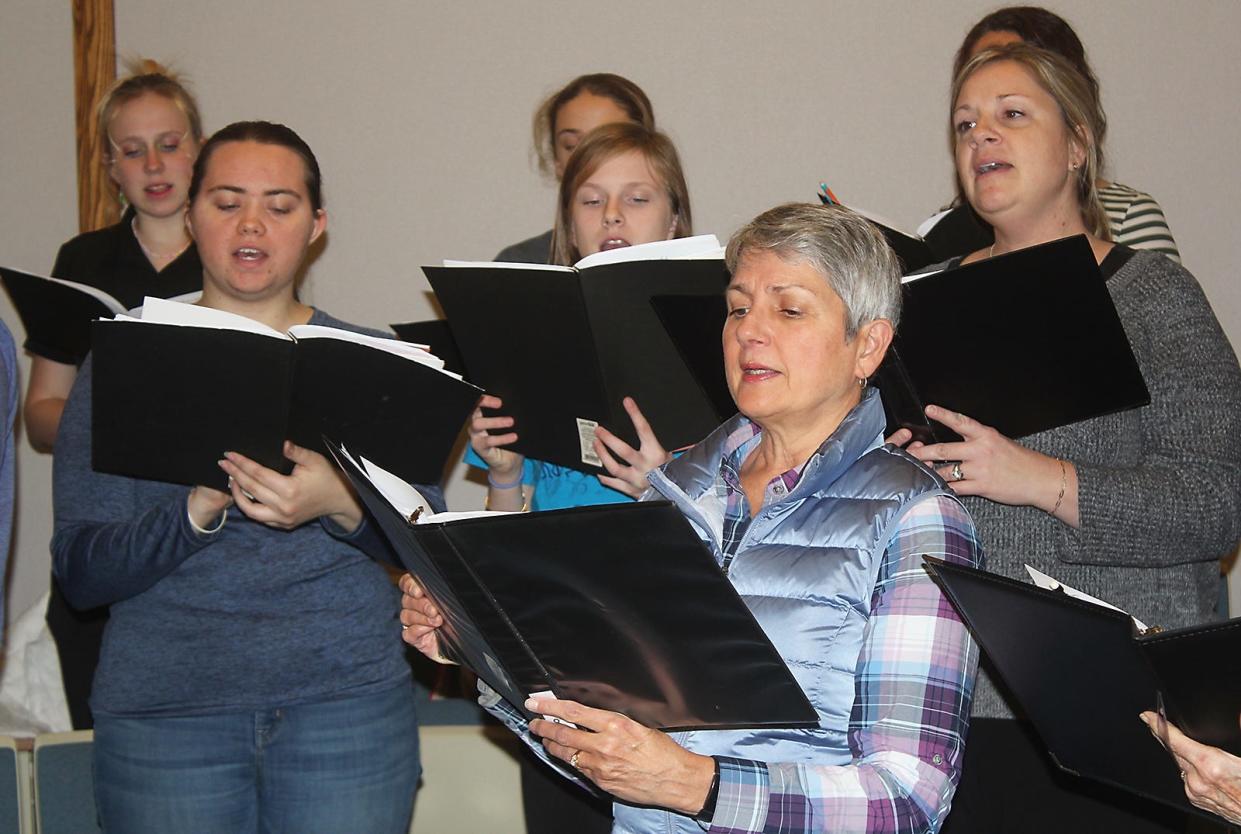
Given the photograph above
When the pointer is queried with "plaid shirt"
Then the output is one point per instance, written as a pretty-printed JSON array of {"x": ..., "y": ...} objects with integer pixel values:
[
  {"x": 913, "y": 685},
  {"x": 914, "y": 682},
  {"x": 728, "y": 489}
]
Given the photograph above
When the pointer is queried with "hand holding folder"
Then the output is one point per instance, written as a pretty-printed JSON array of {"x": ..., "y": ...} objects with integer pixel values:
[
  {"x": 1023, "y": 342},
  {"x": 618, "y": 607},
  {"x": 1212, "y": 776},
  {"x": 1083, "y": 671},
  {"x": 175, "y": 390},
  {"x": 562, "y": 346}
]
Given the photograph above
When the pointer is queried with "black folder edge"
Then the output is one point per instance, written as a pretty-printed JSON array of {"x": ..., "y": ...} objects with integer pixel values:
[
  {"x": 893, "y": 368},
  {"x": 712, "y": 381},
  {"x": 611, "y": 414},
  {"x": 302, "y": 428},
  {"x": 23, "y": 287},
  {"x": 266, "y": 450},
  {"x": 438, "y": 335},
  {"x": 515, "y": 404},
  {"x": 943, "y": 572},
  {"x": 435, "y": 585},
  {"x": 378, "y": 506},
  {"x": 809, "y": 719}
]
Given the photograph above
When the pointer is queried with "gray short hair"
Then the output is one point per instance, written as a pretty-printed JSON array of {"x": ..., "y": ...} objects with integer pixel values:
[{"x": 842, "y": 246}]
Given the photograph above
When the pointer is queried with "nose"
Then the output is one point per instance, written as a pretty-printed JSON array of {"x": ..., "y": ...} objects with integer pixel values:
[
  {"x": 612, "y": 213},
  {"x": 153, "y": 161},
  {"x": 250, "y": 221},
  {"x": 751, "y": 328},
  {"x": 983, "y": 132}
]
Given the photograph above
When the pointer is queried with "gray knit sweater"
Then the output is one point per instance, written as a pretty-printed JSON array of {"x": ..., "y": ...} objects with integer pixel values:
[{"x": 1159, "y": 487}]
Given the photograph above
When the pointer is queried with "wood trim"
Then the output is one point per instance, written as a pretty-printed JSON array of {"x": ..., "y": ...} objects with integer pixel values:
[{"x": 94, "y": 70}]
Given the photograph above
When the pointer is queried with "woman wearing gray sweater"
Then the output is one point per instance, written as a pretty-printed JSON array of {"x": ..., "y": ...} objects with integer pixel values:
[{"x": 1136, "y": 508}]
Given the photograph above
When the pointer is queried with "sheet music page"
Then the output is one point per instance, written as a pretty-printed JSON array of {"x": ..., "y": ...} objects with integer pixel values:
[
  {"x": 404, "y": 498},
  {"x": 905, "y": 279},
  {"x": 94, "y": 292},
  {"x": 405, "y": 350},
  {"x": 164, "y": 311},
  {"x": 506, "y": 265},
  {"x": 705, "y": 247},
  {"x": 1049, "y": 583}
]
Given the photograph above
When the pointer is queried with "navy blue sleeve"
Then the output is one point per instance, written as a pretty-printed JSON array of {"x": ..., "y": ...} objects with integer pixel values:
[{"x": 106, "y": 548}]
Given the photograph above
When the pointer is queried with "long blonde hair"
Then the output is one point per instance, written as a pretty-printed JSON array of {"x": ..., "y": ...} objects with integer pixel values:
[
  {"x": 600, "y": 145},
  {"x": 1080, "y": 109},
  {"x": 147, "y": 76}
]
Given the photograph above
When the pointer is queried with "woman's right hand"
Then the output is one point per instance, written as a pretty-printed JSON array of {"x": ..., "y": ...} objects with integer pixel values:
[
  {"x": 505, "y": 465},
  {"x": 205, "y": 505},
  {"x": 420, "y": 620}
]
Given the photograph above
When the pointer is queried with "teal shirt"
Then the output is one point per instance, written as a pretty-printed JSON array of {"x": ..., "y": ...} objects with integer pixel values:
[{"x": 558, "y": 487}]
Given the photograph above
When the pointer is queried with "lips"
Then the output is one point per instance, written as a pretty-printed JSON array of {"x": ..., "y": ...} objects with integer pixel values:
[
  {"x": 753, "y": 372},
  {"x": 159, "y": 189},
  {"x": 613, "y": 243},
  {"x": 990, "y": 166},
  {"x": 249, "y": 254}
]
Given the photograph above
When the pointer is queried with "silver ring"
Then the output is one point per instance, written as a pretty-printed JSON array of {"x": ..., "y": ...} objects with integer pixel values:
[
  {"x": 957, "y": 474},
  {"x": 573, "y": 759}
]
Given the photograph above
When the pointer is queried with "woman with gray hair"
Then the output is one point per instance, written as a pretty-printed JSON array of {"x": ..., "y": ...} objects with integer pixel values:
[{"x": 821, "y": 528}]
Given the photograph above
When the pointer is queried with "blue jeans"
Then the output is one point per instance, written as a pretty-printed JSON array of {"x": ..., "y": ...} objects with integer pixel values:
[{"x": 349, "y": 765}]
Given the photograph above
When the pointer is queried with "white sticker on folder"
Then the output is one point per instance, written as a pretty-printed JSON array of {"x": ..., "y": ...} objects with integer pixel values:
[
  {"x": 551, "y": 696},
  {"x": 586, "y": 440}
]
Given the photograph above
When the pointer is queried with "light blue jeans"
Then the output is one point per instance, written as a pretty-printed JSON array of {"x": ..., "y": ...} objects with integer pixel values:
[{"x": 348, "y": 765}]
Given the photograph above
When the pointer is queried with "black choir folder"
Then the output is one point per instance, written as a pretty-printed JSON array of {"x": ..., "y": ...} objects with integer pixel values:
[
  {"x": 435, "y": 336},
  {"x": 1022, "y": 342},
  {"x": 55, "y": 311},
  {"x": 170, "y": 399},
  {"x": 1083, "y": 671},
  {"x": 620, "y": 607},
  {"x": 911, "y": 250},
  {"x": 561, "y": 346}
]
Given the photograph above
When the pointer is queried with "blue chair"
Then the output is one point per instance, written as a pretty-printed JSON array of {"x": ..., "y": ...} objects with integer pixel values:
[
  {"x": 64, "y": 786},
  {"x": 13, "y": 799}
]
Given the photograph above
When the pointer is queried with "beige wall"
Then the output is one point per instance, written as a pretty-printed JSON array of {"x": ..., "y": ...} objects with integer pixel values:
[
  {"x": 38, "y": 210},
  {"x": 419, "y": 113}
]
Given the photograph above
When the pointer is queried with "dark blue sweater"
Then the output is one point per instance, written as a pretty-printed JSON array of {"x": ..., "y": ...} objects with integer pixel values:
[{"x": 247, "y": 618}]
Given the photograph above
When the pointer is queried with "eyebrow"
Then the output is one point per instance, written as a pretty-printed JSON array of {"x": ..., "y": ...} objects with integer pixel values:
[
  {"x": 623, "y": 186},
  {"x": 272, "y": 192},
  {"x": 134, "y": 137},
  {"x": 1000, "y": 97},
  {"x": 775, "y": 288}
]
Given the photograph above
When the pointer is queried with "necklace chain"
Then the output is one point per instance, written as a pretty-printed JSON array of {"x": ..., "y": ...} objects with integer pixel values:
[{"x": 155, "y": 256}]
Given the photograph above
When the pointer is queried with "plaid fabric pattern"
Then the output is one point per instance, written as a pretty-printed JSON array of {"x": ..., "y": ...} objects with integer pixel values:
[
  {"x": 728, "y": 489},
  {"x": 914, "y": 683}
]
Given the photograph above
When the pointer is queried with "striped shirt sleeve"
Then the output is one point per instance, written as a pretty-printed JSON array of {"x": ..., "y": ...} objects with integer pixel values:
[
  {"x": 913, "y": 686},
  {"x": 1136, "y": 220}
]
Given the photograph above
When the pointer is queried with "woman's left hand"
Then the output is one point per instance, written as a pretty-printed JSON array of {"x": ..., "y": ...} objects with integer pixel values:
[
  {"x": 1212, "y": 776},
  {"x": 629, "y": 761},
  {"x": 988, "y": 464},
  {"x": 649, "y": 455},
  {"x": 315, "y": 488}
]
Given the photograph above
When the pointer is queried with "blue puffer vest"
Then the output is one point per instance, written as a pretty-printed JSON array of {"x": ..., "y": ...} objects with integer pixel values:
[{"x": 806, "y": 568}]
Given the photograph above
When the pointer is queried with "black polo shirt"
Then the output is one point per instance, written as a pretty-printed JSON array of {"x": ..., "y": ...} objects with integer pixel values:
[{"x": 112, "y": 260}]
